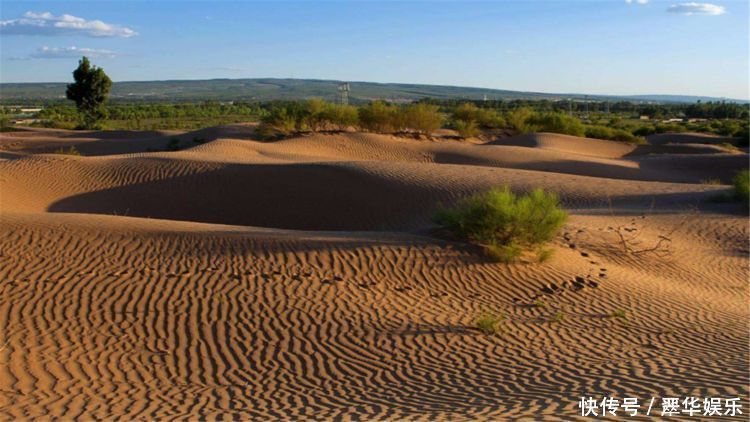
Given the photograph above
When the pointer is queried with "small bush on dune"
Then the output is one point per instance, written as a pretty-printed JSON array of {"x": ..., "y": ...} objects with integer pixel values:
[
  {"x": 422, "y": 118},
  {"x": 743, "y": 133},
  {"x": 644, "y": 130},
  {"x": 599, "y": 132},
  {"x": 6, "y": 124},
  {"x": 525, "y": 120},
  {"x": 728, "y": 128},
  {"x": 313, "y": 116},
  {"x": 70, "y": 151},
  {"x": 625, "y": 136},
  {"x": 489, "y": 323},
  {"x": 558, "y": 316},
  {"x": 619, "y": 313},
  {"x": 603, "y": 132},
  {"x": 556, "y": 123},
  {"x": 466, "y": 129},
  {"x": 379, "y": 117},
  {"x": 467, "y": 119},
  {"x": 466, "y": 112},
  {"x": 543, "y": 255},
  {"x": 280, "y": 121},
  {"x": 742, "y": 186},
  {"x": 518, "y": 119},
  {"x": 505, "y": 224},
  {"x": 670, "y": 127},
  {"x": 339, "y": 116},
  {"x": 490, "y": 119}
]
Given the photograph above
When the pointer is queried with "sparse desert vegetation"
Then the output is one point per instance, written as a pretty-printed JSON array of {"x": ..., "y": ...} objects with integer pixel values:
[
  {"x": 71, "y": 150},
  {"x": 489, "y": 322},
  {"x": 619, "y": 314},
  {"x": 505, "y": 224},
  {"x": 487, "y": 120}
]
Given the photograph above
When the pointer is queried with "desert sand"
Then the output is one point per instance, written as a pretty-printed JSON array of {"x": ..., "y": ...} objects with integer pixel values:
[{"x": 301, "y": 279}]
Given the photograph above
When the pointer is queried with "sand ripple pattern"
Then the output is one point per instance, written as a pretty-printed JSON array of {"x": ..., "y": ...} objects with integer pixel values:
[{"x": 119, "y": 317}]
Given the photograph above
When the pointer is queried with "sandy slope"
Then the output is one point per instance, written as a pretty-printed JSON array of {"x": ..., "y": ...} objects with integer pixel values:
[
  {"x": 688, "y": 138},
  {"x": 107, "y": 314}
]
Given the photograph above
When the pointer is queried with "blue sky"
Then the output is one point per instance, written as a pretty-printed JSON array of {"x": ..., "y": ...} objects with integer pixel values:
[{"x": 599, "y": 47}]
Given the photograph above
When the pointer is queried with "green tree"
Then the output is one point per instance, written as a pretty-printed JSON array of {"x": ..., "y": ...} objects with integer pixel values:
[{"x": 89, "y": 91}]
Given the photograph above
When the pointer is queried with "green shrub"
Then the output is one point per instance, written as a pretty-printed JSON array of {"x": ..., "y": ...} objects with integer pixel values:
[
  {"x": 742, "y": 186},
  {"x": 505, "y": 224},
  {"x": 603, "y": 132},
  {"x": 339, "y": 116},
  {"x": 379, "y": 117},
  {"x": 466, "y": 129},
  {"x": 728, "y": 128},
  {"x": 743, "y": 133},
  {"x": 555, "y": 123},
  {"x": 490, "y": 119},
  {"x": 543, "y": 255},
  {"x": 518, "y": 119},
  {"x": 466, "y": 112},
  {"x": 467, "y": 119},
  {"x": 280, "y": 121},
  {"x": 558, "y": 316},
  {"x": 645, "y": 130},
  {"x": 313, "y": 115},
  {"x": 619, "y": 313},
  {"x": 670, "y": 127},
  {"x": 599, "y": 132},
  {"x": 422, "y": 118},
  {"x": 489, "y": 323},
  {"x": 625, "y": 136},
  {"x": 484, "y": 118},
  {"x": 70, "y": 151},
  {"x": 5, "y": 124}
]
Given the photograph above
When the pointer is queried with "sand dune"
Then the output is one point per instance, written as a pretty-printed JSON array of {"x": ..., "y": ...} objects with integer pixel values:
[
  {"x": 168, "y": 285},
  {"x": 688, "y": 138},
  {"x": 572, "y": 144}
]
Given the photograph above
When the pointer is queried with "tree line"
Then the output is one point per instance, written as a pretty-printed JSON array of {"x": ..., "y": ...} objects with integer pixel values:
[{"x": 91, "y": 87}]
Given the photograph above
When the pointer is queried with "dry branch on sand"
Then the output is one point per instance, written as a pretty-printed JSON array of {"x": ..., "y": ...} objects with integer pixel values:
[{"x": 630, "y": 235}]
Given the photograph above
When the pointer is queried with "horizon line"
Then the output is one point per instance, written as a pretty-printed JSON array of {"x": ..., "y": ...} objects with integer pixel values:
[{"x": 730, "y": 99}]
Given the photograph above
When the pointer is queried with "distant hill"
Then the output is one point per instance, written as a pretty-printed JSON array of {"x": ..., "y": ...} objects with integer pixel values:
[{"x": 277, "y": 89}]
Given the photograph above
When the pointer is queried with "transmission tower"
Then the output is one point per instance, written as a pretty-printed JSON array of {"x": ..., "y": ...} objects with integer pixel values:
[{"x": 344, "y": 93}]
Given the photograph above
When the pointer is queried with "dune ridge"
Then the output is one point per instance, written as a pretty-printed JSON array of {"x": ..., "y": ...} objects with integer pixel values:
[{"x": 298, "y": 280}]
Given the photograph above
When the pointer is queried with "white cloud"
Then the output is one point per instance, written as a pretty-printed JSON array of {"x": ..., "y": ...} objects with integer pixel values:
[
  {"x": 70, "y": 52},
  {"x": 636, "y": 1},
  {"x": 67, "y": 53},
  {"x": 693, "y": 8},
  {"x": 48, "y": 24}
]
